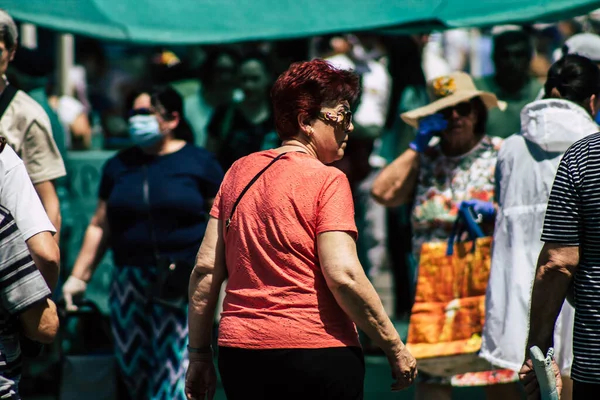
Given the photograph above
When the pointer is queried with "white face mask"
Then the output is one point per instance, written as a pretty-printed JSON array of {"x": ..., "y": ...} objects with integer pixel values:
[{"x": 144, "y": 130}]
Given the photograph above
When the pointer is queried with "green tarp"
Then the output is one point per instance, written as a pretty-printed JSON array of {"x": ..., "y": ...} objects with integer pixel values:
[
  {"x": 474, "y": 13},
  {"x": 220, "y": 21}
]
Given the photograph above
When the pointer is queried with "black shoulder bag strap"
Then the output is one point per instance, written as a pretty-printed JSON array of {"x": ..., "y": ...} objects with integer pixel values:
[
  {"x": 262, "y": 171},
  {"x": 6, "y": 97}
]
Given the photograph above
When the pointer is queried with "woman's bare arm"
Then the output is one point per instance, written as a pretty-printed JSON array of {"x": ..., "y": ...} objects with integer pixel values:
[
  {"x": 396, "y": 183},
  {"x": 95, "y": 244},
  {"x": 353, "y": 290},
  {"x": 357, "y": 297},
  {"x": 207, "y": 277}
]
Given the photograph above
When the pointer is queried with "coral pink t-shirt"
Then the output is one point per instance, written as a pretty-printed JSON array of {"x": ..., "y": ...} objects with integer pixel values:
[{"x": 276, "y": 294}]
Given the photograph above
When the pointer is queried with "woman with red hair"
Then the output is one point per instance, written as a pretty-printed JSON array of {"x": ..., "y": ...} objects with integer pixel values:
[{"x": 282, "y": 233}]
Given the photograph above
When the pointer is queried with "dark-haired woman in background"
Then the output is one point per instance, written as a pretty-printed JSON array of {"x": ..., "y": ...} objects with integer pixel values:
[
  {"x": 527, "y": 164},
  {"x": 153, "y": 205},
  {"x": 240, "y": 128}
]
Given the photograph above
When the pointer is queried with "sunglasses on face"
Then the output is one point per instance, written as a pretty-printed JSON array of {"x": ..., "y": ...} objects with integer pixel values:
[
  {"x": 343, "y": 118},
  {"x": 140, "y": 111},
  {"x": 462, "y": 109},
  {"x": 148, "y": 111}
]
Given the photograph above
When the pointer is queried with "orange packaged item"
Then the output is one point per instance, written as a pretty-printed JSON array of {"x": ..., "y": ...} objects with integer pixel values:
[{"x": 447, "y": 317}]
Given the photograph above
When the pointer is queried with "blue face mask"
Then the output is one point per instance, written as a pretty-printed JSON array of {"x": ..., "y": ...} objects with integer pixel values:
[
  {"x": 597, "y": 118},
  {"x": 144, "y": 130}
]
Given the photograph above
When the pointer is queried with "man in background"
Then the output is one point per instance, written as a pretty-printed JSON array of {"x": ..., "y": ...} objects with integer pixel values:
[
  {"x": 26, "y": 310},
  {"x": 512, "y": 82},
  {"x": 28, "y": 317},
  {"x": 27, "y": 128},
  {"x": 18, "y": 196}
]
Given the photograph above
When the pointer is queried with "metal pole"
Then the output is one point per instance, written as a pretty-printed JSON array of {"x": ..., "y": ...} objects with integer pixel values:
[
  {"x": 28, "y": 36},
  {"x": 475, "y": 53},
  {"x": 64, "y": 62}
]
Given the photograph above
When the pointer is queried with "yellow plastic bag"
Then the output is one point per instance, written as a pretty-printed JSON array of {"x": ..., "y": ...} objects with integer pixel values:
[{"x": 447, "y": 318}]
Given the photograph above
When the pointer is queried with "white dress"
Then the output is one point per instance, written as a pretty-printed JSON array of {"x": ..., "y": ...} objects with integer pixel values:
[{"x": 525, "y": 172}]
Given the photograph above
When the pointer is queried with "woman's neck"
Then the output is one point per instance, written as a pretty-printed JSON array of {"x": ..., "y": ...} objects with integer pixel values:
[
  {"x": 167, "y": 145},
  {"x": 452, "y": 149},
  {"x": 298, "y": 145}
]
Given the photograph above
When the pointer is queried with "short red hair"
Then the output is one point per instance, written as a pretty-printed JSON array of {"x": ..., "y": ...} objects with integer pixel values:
[{"x": 306, "y": 87}]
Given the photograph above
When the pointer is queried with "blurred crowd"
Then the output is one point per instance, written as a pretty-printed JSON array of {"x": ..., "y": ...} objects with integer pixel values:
[
  {"x": 225, "y": 92},
  {"x": 107, "y": 75},
  {"x": 222, "y": 102}
]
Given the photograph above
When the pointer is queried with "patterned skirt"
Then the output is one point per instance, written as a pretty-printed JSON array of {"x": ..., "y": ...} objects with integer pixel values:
[{"x": 149, "y": 339}]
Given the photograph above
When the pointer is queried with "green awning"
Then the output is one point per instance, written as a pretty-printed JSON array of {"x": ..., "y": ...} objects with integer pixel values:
[
  {"x": 221, "y": 21},
  {"x": 474, "y": 13},
  {"x": 215, "y": 21}
]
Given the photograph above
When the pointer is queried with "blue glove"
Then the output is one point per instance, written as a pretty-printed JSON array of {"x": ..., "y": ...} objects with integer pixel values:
[
  {"x": 428, "y": 126},
  {"x": 485, "y": 208}
]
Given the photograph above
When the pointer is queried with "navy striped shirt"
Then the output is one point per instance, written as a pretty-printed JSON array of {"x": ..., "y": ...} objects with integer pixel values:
[
  {"x": 573, "y": 218},
  {"x": 21, "y": 286}
]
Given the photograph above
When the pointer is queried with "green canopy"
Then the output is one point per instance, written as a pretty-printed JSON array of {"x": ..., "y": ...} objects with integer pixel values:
[
  {"x": 215, "y": 21},
  {"x": 220, "y": 21},
  {"x": 473, "y": 13}
]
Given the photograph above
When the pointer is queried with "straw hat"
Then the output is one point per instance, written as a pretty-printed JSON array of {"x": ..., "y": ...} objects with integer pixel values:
[{"x": 447, "y": 91}]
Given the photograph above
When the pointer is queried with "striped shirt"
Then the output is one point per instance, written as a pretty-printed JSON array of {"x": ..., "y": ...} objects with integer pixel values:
[
  {"x": 21, "y": 286},
  {"x": 573, "y": 218}
]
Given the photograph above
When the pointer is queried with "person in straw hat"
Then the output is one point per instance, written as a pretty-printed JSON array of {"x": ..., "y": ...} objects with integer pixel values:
[{"x": 450, "y": 161}]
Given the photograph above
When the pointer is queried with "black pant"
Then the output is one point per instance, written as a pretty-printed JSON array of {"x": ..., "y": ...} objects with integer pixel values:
[
  {"x": 399, "y": 247},
  {"x": 330, "y": 373},
  {"x": 585, "y": 391}
]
